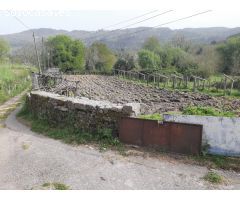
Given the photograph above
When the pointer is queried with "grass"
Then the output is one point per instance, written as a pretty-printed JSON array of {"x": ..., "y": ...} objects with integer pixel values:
[
  {"x": 56, "y": 186},
  {"x": 13, "y": 80},
  {"x": 217, "y": 162},
  {"x": 207, "y": 111},
  {"x": 25, "y": 146},
  {"x": 155, "y": 116},
  {"x": 192, "y": 110},
  {"x": 71, "y": 135},
  {"x": 213, "y": 177}
]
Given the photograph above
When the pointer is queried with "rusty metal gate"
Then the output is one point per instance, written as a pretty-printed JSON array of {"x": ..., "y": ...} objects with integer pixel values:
[{"x": 170, "y": 136}]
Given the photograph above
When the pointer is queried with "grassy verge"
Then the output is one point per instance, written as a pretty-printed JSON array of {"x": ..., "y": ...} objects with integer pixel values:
[
  {"x": 13, "y": 80},
  {"x": 103, "y": 137},
  {"x": 207, "y": 111},
  {"x": 217, "y": 162},
  {"x": 155, "y": 116},
  {"x": 192, "y": 110}
]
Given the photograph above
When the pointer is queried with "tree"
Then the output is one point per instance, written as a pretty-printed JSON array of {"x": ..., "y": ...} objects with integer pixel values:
[
  {"x": 179, "y": 41},
  {"x": 152, "y": 44},
  {"x": 148, "y": 60},
  {"x": 230, "y": 55},
  {"x": 66, "y": 53},
  {"x": 126, "y": 61},
  {"x": 100, "y": 58},
  {"x": 4, "y": 49}
]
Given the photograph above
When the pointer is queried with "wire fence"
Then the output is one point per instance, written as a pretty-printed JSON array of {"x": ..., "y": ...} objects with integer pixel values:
[
  {"x": 194, "y": 83},
  {"x": 68, "y": 85}
]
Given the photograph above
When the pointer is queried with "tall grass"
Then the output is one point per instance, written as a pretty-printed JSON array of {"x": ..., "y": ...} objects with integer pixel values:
[{"x": 13, "y": 80}]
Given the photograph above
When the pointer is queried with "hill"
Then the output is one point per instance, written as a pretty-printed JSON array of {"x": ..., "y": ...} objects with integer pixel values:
[{"x": 126, "y": 38}]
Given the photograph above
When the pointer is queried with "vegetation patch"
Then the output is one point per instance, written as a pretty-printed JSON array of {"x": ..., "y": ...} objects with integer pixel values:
[
  {"x": 155, "y": 116},
  {"x": 56, "y": 186},
  {"x": 13, "y": 80},
  {"x": 25, "y": 146},
  {"x": 217, "y": 162},
  {"x": 207, "y": 111},
  {"x": 214, "y": 178}
]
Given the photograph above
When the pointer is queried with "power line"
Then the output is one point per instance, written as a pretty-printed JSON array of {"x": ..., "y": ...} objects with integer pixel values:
[
  {"x": 21, "y": 22},
  {"x": 89, "y": 38},
  {"x": 147, "y": 19},
  {"x": 173, "y": 21},
  {"x": 121, "y": 22},
  {"x": 34, "y": 41}
]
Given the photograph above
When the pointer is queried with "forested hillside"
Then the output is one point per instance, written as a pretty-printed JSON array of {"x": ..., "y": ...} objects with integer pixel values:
[{"x": 132, "y": 38}]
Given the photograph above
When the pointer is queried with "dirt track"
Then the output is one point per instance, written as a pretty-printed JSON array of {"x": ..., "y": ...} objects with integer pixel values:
[{"x": 154, "y": 100}]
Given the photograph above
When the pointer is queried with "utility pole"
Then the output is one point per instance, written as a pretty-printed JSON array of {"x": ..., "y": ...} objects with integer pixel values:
[
  {"x": 43, "y": 56},
  {"x": 39, "y": 65}
]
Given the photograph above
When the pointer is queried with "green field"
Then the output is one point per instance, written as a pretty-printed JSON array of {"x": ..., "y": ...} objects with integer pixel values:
[{"x": 13, "y": 80}]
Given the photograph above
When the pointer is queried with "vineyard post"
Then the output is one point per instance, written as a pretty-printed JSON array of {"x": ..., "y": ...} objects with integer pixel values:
[
  {"x": 231, "y": 87},
  {"x": 225, "y": 85},
  {"x": 174, "y": 80},
  {"x": 194, "y": 84}
]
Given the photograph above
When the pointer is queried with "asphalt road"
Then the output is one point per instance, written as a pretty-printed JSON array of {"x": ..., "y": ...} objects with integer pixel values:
[{"x": 28, "y": 160}]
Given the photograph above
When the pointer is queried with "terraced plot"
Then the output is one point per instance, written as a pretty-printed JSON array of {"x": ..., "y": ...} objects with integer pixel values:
[{"x": 153, "y": 100}]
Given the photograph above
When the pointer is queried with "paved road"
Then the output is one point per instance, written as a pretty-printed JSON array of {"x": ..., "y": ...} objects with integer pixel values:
[{"x": 28, "y": 160}]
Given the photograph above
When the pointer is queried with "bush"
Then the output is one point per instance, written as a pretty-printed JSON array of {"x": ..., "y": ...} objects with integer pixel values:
[{"x": 148, "y": 60}]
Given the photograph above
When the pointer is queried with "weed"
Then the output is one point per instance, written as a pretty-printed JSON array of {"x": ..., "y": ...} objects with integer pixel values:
[
  {"x": 46, "y": 185},
  {"x": 56, "y": 186},
  {"x": 218, "y": 162},
  {"x": 60, "y": 186},
  {"x": 213, "y": 177},
  {"x": 25, "y": 146},
  {"x": 207, "y": 111},
  {"x": 155, "y": 116}
]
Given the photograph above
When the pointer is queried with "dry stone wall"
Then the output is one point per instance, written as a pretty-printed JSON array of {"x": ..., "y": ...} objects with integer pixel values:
[{"x": 81, "y": 113}]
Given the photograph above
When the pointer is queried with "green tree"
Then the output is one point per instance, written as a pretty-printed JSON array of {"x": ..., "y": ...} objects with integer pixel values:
[
  {"x": 4, "y": 49},
  {"x": 152, "y": 44},
  {"x": 230, "y": 55},
  {"x": 126, "y": 61},
  {"x": 100, "y": 58},
  {"x": 148, "y": 60},
  {"x": 66, "y": 53}
]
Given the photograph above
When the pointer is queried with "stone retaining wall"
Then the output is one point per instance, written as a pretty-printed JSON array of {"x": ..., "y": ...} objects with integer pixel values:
[{"x": 81, "y": 113}]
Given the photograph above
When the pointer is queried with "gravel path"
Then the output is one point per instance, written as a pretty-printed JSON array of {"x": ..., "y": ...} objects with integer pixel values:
[
  {"x": 28, "y": 160},
  {"x": 9, "y": 106}
]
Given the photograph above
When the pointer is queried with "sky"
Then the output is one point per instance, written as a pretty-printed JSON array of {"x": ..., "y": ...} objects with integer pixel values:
[{"x": 93, "y": 15}]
